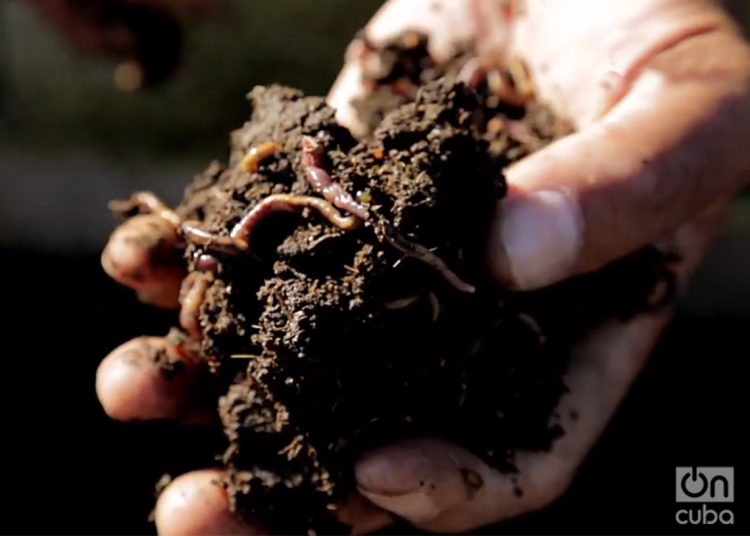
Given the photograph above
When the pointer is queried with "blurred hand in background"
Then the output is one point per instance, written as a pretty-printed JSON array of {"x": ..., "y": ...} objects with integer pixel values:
[{"x": 146, "y": 36}]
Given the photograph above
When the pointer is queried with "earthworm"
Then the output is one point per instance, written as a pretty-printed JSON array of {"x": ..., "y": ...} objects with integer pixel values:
[
  {"x": 401, "y": 303},
  {"x": 322, "y": 183},
  {"x": 257, "y": 154},
  {"x": 238, "y": 239},
  {"x": 146, "y": 203},
  {"x": 206, "y": 263},
  {"x": 193, "y": 293},
  {"x": 418, "y": 251}
]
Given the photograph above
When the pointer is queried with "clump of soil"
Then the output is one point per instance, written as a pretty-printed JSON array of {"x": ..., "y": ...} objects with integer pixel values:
[
  {"x": 392, "y": 73},
  {"x": 332, "y": 342},
  {"x": 344, "y": 341}
]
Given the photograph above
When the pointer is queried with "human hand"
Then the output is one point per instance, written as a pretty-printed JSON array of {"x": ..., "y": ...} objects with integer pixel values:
[
  {"x": 611, "y": 176},
  {"x": 659, "y": 93},
  {"x": 156, "y": 378},
  {"x": 146, "y": 33}
]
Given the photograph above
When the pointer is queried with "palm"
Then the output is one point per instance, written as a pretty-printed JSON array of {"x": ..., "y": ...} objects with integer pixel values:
[{"x": 583, "y": 83}]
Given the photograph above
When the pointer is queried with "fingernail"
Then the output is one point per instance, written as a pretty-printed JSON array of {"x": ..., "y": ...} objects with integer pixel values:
[
  {"x": 387, "y": 485},
  {"x": 538, "y": 237}
]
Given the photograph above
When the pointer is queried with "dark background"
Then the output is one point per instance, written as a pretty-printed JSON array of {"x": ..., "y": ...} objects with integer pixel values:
[{"x": 69, "y": 141}]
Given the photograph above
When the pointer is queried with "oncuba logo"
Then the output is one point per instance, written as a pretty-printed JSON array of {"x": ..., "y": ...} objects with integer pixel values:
[{"x": 701, "y": 486}]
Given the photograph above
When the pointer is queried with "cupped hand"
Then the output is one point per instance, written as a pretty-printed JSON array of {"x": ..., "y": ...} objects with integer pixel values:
[{"x": 659, "y": 91}]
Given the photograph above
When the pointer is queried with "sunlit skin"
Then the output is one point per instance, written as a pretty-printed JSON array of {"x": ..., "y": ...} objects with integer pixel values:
[
  {"x": 658, "y": 90},
  {"x": 142, "y": 252}
]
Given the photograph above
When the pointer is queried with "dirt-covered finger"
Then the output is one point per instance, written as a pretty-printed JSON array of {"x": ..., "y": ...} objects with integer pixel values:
[
  {"x": 144, "y": 254},
  {"x": 151, "y": 378},
  {"x": 194, "y": 504}
]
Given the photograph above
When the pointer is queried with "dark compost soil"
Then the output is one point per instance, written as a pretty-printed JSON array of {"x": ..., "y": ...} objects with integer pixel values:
[{"x": 343, "y": 341}]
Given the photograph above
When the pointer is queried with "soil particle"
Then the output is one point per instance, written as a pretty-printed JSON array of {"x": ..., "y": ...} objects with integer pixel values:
[
  {"x": 170, "y": 364},
  {"x": 146, "y": 353}
]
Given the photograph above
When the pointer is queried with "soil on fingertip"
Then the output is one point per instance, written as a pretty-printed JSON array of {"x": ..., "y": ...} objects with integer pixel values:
[{"x": 333, "y": 342}]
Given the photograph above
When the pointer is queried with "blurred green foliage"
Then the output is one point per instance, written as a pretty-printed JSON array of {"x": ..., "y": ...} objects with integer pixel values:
[{"x": 61, "y": 99}]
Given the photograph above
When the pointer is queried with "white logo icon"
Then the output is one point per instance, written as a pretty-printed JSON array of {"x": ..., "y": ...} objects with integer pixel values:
[{"x": 705, "y": 485}]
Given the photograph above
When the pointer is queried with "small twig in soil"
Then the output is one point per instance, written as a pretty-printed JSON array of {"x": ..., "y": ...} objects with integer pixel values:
[
  {"x": 418, "y": 251},
  {"x": 257, "y": 154},
  {"x": 193, "y": 294},
  {"x": 145, "y": 203},
  {"x": 435, "y": 303},
  {"x": 529, "y": 321},
  {"x": 322, "y": 183},
  {"x": 282, "y": 304},
  {"x": 316, "y": 242},
  {"x": 238, "y": 240},
  {"x": 401, "y": 303}
]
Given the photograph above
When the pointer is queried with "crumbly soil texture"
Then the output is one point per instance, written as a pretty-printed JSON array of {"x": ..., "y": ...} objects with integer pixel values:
[{"x": 333, "y": 342}]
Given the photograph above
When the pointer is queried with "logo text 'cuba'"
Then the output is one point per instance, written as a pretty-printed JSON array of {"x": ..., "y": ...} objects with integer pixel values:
[{"x": 701, "y": 486}]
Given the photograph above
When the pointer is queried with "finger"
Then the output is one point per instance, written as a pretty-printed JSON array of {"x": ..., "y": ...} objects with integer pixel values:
[
  {"x": 195, "y": 505},
  {"x": 143, "y": 254},
  {"x": 149, "y": 379},
  {"x": 447, "y": 23},
  {"x": 444, "y": 488},
  {"x": 672, "y": 146}
]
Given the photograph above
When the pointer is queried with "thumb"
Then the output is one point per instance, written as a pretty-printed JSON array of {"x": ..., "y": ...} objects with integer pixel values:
[{"x": 673, "y": 145}]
